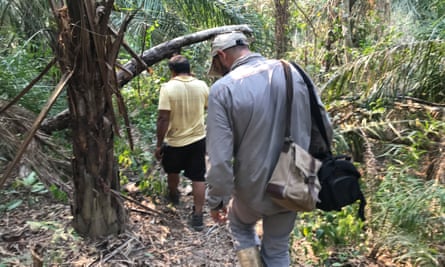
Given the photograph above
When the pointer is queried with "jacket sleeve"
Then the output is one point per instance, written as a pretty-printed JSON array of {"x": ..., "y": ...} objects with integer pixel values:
[{"x": 220, "y": 151}]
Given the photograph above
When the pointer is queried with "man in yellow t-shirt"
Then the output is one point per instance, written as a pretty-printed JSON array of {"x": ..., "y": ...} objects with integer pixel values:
[{"x": 181, "y": 133}]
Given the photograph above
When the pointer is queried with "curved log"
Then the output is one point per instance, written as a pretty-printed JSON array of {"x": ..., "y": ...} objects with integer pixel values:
[{"x": 166, "y": 49}]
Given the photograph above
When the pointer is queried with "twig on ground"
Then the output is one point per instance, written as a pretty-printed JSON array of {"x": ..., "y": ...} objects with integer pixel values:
[
  {"x": 118, "y": 194},
  {"x": 117, "y": 250}
]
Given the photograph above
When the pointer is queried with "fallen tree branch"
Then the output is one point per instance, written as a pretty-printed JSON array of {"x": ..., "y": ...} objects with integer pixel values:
[
  {"x": 128, "y": 48},
  {"x": 166, "y": 49}
]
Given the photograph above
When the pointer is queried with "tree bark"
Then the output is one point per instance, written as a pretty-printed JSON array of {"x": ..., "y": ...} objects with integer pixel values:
[
  {"x": 347, "y": 28},
  {"x": 281, "y": 27},
  {"x": 86, "y": 48}
]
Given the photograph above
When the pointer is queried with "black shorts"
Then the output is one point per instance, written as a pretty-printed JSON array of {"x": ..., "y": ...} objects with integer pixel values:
[{"x": 189, "y": 158}]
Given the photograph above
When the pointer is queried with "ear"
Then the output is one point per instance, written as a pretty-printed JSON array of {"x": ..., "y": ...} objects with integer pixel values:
[{"x": 222, "y": 56}]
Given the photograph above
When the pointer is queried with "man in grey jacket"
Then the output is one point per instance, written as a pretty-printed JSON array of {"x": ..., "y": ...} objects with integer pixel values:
[{"x": 245, "y": 132}]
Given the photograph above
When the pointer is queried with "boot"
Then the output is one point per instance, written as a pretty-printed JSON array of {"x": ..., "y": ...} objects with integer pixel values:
[{"x": 249, "y": 257}]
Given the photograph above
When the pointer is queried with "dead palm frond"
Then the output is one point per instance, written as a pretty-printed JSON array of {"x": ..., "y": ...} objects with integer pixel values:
[{"x": 42, "y": 156}]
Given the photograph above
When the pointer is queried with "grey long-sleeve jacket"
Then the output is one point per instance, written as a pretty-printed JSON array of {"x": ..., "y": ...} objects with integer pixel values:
[{"x": 245, "y": 130}]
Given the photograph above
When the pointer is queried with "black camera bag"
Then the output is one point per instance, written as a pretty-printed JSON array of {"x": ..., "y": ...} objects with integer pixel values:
[{"x": 338, "y": 176}]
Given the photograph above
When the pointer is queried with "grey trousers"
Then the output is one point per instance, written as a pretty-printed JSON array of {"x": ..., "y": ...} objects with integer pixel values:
[{"x": 276, "y": 231}]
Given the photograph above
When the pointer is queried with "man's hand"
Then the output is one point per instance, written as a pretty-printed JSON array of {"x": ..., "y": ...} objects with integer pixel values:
[
  {"x": 220, "y": 215},
  {"x": 158, "y": 153},
  {"x": 161, "y": 130}
]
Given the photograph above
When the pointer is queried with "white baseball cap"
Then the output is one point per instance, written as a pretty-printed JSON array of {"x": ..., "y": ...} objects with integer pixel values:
[{"x": 223, "y": 42}]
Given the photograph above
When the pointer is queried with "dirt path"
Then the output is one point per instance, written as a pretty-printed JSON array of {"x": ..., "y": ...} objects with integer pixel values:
[{"x": 158, "y": 235}]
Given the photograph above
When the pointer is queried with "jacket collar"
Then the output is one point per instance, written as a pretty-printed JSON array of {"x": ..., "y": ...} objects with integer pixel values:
[{"x": 245, "y": 59}]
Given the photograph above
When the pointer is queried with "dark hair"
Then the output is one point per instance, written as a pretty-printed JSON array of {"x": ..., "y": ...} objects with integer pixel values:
[{"x": 179, "y": 64}]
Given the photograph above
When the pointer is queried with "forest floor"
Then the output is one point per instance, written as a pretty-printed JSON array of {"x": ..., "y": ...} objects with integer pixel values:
[
  {"x": 38, "y": 233},
  {"x": 157, "y": 235}
]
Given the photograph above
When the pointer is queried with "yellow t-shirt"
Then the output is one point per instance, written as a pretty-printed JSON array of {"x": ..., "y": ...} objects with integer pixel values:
[{"x": 186, "y": 99}]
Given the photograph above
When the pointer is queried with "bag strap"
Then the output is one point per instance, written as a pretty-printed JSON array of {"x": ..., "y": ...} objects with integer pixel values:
[
  {"x": 315, "y": 109},
  {"x": 361, "y": 208},
  {"x": 289, "y": 98}
]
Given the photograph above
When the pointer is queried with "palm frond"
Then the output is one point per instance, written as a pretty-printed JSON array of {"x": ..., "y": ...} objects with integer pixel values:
[
  {"x": 415, "y": 69},
  {"x": 25, "y": 16},
  {"x": 172, "y": 18},
  {"x": 429, "y": 16}
]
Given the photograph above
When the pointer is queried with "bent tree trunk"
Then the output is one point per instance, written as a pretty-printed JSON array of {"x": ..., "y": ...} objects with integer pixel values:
[{"x": 86, "y": 48}]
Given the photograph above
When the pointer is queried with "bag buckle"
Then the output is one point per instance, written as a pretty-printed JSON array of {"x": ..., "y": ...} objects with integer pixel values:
[{"x": 310, "y": 179}]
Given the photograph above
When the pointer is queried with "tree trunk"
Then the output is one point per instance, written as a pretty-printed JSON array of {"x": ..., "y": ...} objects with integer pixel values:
[
  {"x": 87, "y": 48},
  {"x": 281, "y": 27},
  {"x": 383, "y": 8},
  {"x": 347, "y": 28},
  {"x": 96, "y": 211}
]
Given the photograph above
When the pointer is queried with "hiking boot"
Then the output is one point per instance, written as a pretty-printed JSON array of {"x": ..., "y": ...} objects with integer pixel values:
[
  {"x": 249, "y": 257},
  {"x": 173, "y": 197},
  {"x": 196, "y": 222}
]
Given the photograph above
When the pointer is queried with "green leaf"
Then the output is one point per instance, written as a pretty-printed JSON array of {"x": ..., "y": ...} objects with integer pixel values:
[
  {"x": 38, "y": 188},
  {"x": 30, "y": 179},
  {"x": 14, "y": 204},
  {"x": 319, "y": 233}
]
